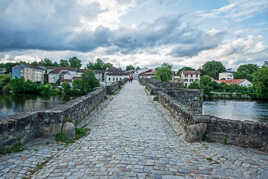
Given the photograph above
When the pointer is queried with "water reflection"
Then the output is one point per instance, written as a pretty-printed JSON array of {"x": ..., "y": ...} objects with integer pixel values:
[
  {"x": 237, "y": 110},
  {"x": 12, "y": 104}
]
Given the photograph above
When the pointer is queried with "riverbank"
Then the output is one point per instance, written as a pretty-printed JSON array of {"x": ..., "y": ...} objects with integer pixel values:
[
  {"x": 241, "y": 110},
  {"x": 228, "y": 95}
]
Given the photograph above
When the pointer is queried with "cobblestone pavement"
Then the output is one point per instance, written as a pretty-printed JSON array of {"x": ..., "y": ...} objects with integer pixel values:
[
  {"x": 22, "y": 164},
  {"x": 131, "y": 138}
]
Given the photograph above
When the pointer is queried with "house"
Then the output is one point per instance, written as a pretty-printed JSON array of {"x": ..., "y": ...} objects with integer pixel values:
[
  {"x": 115, "y": 74},
  {"x": 148, "y": 74},
  {"x": 228, "y": 75},
  {"x": 29, "y": 73},
  {"x": 3, "y": 70},
  {"x": 17, "y": 71},
  {"x": 240, "y": 82},
  {"x": 63, "y": 74},
  {"x": 189, "y": 77},
  {"x": 265, "y": 64}
]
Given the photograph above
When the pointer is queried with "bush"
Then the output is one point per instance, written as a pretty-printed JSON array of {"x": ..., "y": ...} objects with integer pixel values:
[{"x": 66, "y": 88}]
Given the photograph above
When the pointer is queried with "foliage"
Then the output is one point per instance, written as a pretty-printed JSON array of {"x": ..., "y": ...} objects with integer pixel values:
[
  {"x": 164, "y": 73},
  {"x": 208, "y": 86},
  {"x": 17, "y": 147},
  {"x": 213, "y": 68},
  {"x": 261, "y": 83},
  {"x": 4, "y": 80},
  {"x": 130, "y": 67},
  {"x": 17, "y": 85},
  {"x": 185, "y": 69},
  {"x": 99, "y": 65},
  {"x": 66, "y": 88},
  {"x": 246, "y": 71},
  {"x": 86, "y": 84},
  {"x": 75, "y": 62},
  {"x": 64, "y": 63},
  {"x": 194, "y": 85},
  {"x": 79, "y": 133},
  {"x": 46, "y": 62}
]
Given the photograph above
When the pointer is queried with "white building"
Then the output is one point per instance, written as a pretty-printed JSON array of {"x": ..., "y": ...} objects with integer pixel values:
[
  {"x": 226, "y": 76},
  {"x": 240, "y": 82},
  {"x": 114, "y": 75},
  {"x": 189, "y": 77}
]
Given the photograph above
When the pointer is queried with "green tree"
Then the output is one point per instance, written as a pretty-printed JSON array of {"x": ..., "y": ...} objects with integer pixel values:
[
  {"x": 46, "y": 62},
  {"x": 130, "y": 67},
  {"x": 246, "y": 71},
  {"x": 107, "y": 66},
  {"x": 88, "y": 82},
  {"x": 185, "y": 69},
  {"x": 64, "y": 63},
  {"x": 17, "y": 85},
  {"x": 260, "y": 81},
  {"x": 164, "y": 73},
  {"x": 99, "y": 65},
  {"x": 194, "y": 85},
  {"x": 75, "y": 62},
  {"x": 205, "y": 83},
  {"x": 66, "y": 88},
  {"x": 213, "y": 68}
]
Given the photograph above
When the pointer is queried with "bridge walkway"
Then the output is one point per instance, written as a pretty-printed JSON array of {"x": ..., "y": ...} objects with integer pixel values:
[{"x": 131, "y": 139}]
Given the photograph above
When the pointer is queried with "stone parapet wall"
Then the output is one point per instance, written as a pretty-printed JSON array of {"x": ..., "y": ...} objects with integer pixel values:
[
  {"x": 226, "y": 131},
  {"x": 24, "y": 127}
]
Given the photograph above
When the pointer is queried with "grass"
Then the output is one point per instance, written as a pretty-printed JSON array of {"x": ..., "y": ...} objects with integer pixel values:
[
  {"x": 185, "y": 128},
  {"x": 18, "y": 147},
  {"x": 209, "y": 140},
  {"x": 225, "y": 141},
  {"x": 79, "y": 133}
]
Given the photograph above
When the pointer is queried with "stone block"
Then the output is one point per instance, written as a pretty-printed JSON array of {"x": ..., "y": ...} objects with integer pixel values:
[
  {"x": 195, "y": 132},
  {"x": 69, "y": 130}
]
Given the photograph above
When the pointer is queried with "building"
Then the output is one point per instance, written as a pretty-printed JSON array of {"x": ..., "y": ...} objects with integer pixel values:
[
  {"x": 114, "y": 75},
  {"x": 29, "y": 73},
  {"x": 3, "y": 70},
  {"x": 17, "y": 71},
  {"x": 265, "y": 64},
  {"x": 148, "y": 74},
  {"x": 63, "y": 74},
  {"x": 228, "y": 75},
  {"x": 34, "y": 74},
  {"x": 189, "y": 77},
  {"x": 240, "y": 82}
]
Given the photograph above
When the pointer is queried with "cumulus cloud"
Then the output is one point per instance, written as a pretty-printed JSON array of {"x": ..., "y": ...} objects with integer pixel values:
[{"x": 34, "y": 29}]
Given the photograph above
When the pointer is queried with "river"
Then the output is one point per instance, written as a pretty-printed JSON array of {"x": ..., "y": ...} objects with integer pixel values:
[
  {"x": 237, "y": 110},
  {"x": 10, "y": 104}
]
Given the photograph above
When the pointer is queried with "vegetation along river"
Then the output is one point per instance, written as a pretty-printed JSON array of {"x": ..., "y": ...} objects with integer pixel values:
[{"x": 12, "y": 104}]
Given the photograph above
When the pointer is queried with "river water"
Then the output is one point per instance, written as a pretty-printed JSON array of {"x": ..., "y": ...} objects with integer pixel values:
[
  {"x": 237, "y": 110},
  {"x": 10, "y": 104}
]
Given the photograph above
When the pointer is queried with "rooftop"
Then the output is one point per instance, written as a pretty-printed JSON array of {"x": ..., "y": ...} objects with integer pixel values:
[{"x": 230, "y": 82}]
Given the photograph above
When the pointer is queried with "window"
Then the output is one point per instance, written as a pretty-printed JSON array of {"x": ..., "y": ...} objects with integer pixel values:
[
  {"x": 186, "y": 75},
  {"x": 185, "y": 80},
  {"x": 191, "y": 75},
  {"x": 109, "y": 79}
]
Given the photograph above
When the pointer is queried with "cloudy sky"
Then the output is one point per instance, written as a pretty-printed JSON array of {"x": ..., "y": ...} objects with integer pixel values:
[{"x": 138, "y": 32}]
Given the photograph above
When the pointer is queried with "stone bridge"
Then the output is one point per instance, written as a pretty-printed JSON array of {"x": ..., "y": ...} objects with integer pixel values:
[{"x": 131, "y": 137}]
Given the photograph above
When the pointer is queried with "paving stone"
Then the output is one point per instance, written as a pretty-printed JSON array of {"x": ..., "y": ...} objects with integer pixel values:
[{"x": 131, "y": 138}]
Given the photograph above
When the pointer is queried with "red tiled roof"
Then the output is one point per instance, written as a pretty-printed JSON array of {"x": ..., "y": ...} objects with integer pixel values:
[
  {"x": 150, "y": 72},
  {"x": 77, "y": 77},
  {"x": 230, "y": 82}
]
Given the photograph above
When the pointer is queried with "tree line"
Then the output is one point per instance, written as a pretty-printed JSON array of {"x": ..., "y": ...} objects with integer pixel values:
[{"x": 211, "y": 69}]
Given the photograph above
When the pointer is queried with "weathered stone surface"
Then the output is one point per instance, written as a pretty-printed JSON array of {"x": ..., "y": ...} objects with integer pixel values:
[
  {"x": 185, "y": 107},
  {"x": 195, "y": 132},
  {"x": 69, "y": 130},
  {"x": 24, "y": 127},
  {"x": 136, "y": 143}
]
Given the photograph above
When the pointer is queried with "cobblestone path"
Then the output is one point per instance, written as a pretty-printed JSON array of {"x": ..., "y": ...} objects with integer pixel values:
[{"x": 130, "y": 138}]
